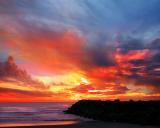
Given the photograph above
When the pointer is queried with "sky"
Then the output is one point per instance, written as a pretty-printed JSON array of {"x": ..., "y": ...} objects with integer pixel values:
[{"x": 67, "y": 50}]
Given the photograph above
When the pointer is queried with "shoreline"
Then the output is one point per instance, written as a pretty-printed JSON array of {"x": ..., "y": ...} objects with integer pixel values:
[
  {"x": 40, "y": 123},
  {"x": 88, "y": 124}
]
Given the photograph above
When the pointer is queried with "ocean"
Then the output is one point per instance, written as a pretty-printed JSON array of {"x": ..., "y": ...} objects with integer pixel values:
[{"x": 37, "y": 113}]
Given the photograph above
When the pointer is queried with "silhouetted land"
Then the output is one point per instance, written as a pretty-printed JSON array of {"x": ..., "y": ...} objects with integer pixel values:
[{"x": 139, "y": 112}]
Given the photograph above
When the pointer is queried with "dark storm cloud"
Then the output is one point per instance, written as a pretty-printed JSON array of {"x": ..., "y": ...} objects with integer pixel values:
[
  {"x": 155, "y": 44},
  {"x": 102, "y": 55},
  {"x": 156, "y": 57},
  {"x": 138, "y": 62},
  {"x": 130, "y": 44}
]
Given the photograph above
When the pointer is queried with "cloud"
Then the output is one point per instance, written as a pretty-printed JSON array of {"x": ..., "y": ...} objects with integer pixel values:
[
  {"x": 131, "y": 44},
  {"x": 143, "y": 69},
  {"x": 25, "y": 92},
  {"x": 9, "y": 72},
  {"x": 109, "y": 88},
  {"x": 155, "y": 44},
  {"x": 101, "y": 54},
  {"x": 113, "y": 41}
]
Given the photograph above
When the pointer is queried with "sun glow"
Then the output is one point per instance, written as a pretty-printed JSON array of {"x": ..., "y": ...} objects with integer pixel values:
[
  {"x": 45, "y": 79},
  {"x": 57, "y": 89},
  {"x": 84, "y": 81}
]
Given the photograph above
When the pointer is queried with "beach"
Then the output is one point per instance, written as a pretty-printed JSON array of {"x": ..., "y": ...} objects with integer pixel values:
[
  {"x": 91, "y": 124},
  {"x": 28, "y": 114},
  {"x": 50, "y": 115}
]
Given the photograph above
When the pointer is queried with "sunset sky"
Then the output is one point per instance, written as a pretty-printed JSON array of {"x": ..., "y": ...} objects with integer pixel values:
[{"x": 66, "y": 50}]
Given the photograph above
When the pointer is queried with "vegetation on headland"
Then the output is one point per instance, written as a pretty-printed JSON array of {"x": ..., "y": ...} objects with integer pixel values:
[{"x": 140, "y": 112}]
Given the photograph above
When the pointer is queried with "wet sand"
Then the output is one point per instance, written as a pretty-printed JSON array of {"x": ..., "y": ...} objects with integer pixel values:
[{"x": 90, "y": 124}]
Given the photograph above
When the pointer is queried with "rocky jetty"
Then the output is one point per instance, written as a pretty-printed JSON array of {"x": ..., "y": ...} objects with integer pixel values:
[{"x": 139, "y": 112}]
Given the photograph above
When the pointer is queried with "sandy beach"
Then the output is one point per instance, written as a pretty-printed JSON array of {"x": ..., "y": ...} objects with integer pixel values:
[{"x": 91, "y": 124}]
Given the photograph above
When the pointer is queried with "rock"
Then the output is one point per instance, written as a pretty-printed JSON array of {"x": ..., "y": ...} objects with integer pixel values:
[{"x": 140, "y": 112}]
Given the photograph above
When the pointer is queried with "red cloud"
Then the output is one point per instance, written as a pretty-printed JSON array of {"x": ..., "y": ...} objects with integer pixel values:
[{"x": 10, "y": 72}]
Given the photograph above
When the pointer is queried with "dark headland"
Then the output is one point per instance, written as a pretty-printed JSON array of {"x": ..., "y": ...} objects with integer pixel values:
[{"x": 139, "y": 112}]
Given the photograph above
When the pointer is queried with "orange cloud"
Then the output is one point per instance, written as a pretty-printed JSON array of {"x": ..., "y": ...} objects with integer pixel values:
[
  {"x": 54, "y": 53},
  {"x": 67, "y": 67}
]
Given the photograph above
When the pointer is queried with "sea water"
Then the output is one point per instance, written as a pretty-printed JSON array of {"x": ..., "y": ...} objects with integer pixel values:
[{"x": 39, "y": 113}]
